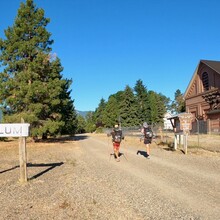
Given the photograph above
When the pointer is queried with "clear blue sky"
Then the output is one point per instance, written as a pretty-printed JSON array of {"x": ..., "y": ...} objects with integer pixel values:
[{"x": 105, "y": 45}]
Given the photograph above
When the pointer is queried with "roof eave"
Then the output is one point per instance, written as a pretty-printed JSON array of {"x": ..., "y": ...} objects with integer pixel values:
[{"x": 191, "y": 81}]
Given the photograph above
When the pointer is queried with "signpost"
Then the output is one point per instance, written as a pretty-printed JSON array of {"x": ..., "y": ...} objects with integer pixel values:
[
  {"x": 186, "y": 126},
  {"x": 14, "y": 130},
  {"x": 182, "y": 124},
  {"x": 22, "y": 131}
]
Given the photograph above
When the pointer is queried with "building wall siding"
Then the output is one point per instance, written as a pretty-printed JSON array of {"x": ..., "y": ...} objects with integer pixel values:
[{"x": 197, "y": 105}]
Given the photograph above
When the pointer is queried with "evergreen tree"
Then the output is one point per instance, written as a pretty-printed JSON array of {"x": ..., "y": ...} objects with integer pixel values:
[
  {"x": 99, "y": 113},
  {"x": 111, "y": 112},
  {"x": 31, "y": 85},
  {"x": 161, "y": 107},
  {"x": 157, "y": 107},
  {"x": 141, "y": 95},
  {"x": 178, "y": 105},
  {"x": 90, "y": 125},
  {"x": 128, "y": 108},
  {"x": 152, "y": 109},
  {"x": 67, "y": 110},
  {"x": 81, "y": 128}
]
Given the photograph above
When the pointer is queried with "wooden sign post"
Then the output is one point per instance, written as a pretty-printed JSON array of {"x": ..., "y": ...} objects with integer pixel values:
[
  {"x": 23, "y": 159},
  {"x": 185, "y": 126},
  {"x": 21, "y": 131}
]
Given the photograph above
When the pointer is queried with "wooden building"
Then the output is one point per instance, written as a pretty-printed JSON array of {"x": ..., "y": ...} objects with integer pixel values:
[{"x": 202, "y": 96}]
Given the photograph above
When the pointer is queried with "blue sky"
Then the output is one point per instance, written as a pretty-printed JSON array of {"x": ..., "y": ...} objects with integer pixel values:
[{"x": 105, "y": 45}]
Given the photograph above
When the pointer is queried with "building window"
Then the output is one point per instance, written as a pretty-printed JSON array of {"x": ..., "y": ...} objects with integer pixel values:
[{"x": 205, "y": 81}]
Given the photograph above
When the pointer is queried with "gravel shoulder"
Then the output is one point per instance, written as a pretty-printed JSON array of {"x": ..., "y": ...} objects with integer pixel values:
[{"x": 76, "y": 178}]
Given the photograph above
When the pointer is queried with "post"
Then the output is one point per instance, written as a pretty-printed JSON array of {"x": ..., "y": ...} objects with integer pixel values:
[
  {"x": 161, "y": 133},
  {"x": 23, "y": 158},
  {"x": 198, "y": 130},
  {"x": 176, "y": 140},
  {"x": 209, "y": 129},
  {"x": 185, "y": 143}
]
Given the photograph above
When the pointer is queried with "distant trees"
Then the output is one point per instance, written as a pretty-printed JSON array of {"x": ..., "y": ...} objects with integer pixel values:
[
  {"x": 128, "y": 108},
  {"x": 81, "y": 128},
  {"x": 111, "y": 112},
  {"x": 31, "y": 84},
  {"x": 132, "y": 107},
  {"x": 178, "y": 105},
  {"x": 143, "y": 105}
]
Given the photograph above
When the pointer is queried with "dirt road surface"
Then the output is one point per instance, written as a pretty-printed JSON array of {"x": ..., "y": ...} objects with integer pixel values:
[{"x": 78, "y": 179}]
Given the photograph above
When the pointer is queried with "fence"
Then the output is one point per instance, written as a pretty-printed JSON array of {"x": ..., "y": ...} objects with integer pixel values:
[{"x": 211, "y": 126}]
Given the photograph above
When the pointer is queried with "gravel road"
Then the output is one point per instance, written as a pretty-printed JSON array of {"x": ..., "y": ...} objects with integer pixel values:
[{"x": 80, "y": 180}]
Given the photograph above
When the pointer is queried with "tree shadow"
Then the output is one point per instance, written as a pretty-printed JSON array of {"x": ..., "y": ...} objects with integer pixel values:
[
  {"x": 5, "y": 139},
  {"x": 49, "y": 165},
  {"x": 12, "y": 168},
  {"x": 80, "y": 137},
  {"x": 63, "y": 139}
]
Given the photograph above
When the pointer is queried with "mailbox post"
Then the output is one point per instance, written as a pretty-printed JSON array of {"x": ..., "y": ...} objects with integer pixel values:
[
  {"x": 185, "y": 126},
  {"x": 182, "y": 124}
]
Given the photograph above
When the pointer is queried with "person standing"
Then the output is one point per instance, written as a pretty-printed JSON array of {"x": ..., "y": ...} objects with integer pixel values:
[
  {"x": 148, "y": 135},
  {"x": 117, "y": 137}
]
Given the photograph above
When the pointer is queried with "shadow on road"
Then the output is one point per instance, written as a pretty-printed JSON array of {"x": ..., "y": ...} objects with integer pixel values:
[
  {"x": 79, "y": 137},
  {"x": 142, "y": 153},
  {"x": 63, "y": 139},
  {"x": 9, "y": 169},
  {"x": 49, "y": 165}
]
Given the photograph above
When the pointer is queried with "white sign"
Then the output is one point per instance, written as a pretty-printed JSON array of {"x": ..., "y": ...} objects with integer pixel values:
[{"x": 14, "y": 130}]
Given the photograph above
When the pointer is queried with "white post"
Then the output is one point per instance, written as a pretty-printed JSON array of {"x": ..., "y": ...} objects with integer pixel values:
[{"x": 175, "y": 141}]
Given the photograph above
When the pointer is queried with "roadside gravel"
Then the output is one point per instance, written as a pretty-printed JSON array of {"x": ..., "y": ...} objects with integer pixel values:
[{"x": 78, "y": 179}]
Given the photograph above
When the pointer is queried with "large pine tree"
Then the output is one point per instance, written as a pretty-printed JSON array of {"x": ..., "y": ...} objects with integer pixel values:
[
  {"x": 128, "y": 108},
  {"x": 141, "y": 95},
  {"x": 31, "y": 84},
  {"x": 99, "y": 113},
  {"x": 111, "y": 112}
]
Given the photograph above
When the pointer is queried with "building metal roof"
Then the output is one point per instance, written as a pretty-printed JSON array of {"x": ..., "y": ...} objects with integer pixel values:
[{"x": 215, "y": 65}]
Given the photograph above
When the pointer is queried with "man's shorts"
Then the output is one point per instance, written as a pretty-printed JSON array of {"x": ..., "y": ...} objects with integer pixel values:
[
  {"x": 147, "y": 141},
  {"x": 116, "y": 145}
]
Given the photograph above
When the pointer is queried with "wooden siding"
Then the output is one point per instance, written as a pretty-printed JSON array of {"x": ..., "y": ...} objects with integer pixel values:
[{"x": 196, "y": 104}]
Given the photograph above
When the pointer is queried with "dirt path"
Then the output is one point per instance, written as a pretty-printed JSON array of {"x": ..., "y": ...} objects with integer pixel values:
[{"x": 77, "y": 179}]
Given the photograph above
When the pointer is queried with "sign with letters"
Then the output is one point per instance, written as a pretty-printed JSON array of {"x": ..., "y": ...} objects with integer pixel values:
[
  {"x": 186, "y": 122},
  {"x": 14, "y": 130}
]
